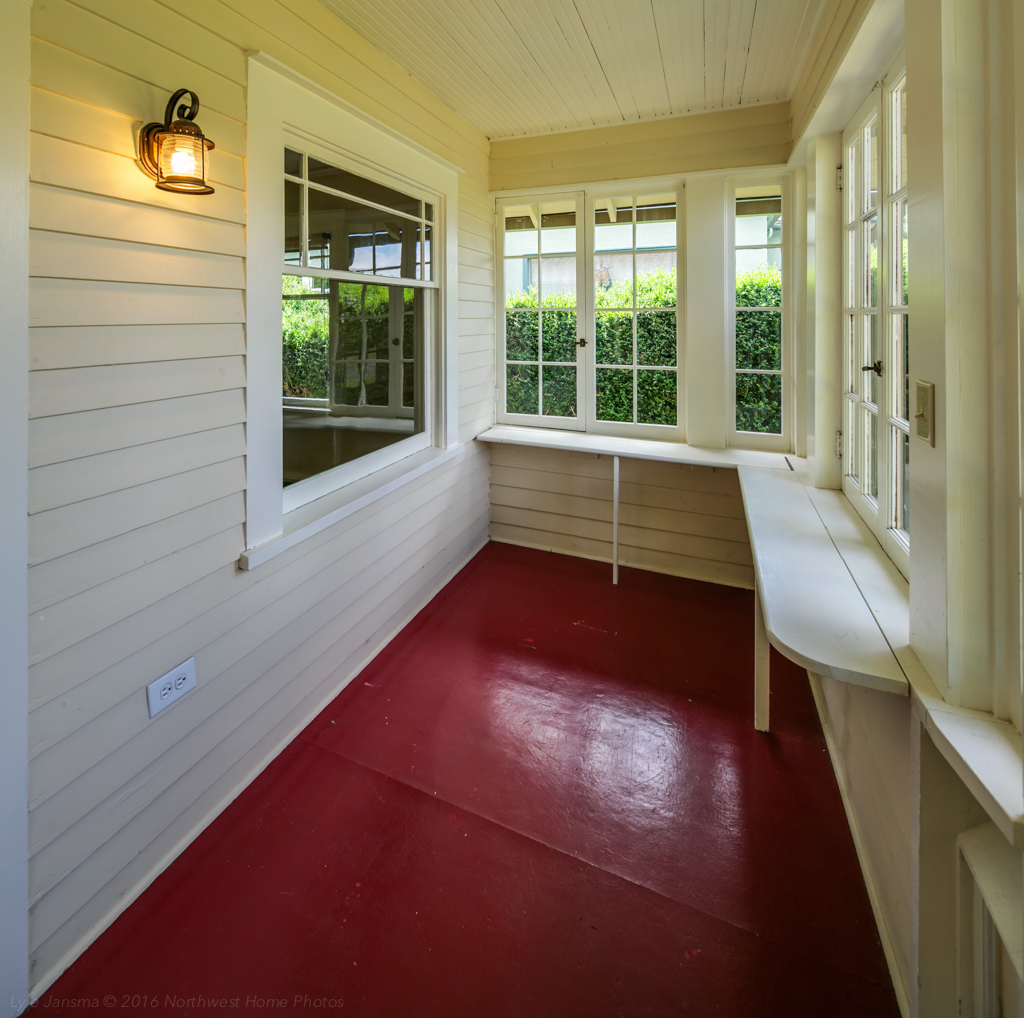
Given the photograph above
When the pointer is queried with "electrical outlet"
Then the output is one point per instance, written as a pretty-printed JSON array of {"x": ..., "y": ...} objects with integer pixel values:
[{"x": 172, "y": 686}]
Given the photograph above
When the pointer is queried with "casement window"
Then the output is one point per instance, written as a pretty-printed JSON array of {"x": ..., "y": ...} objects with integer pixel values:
[
  {"x": 759, "y": 321},
  {"x": 352, "y": 351},
  {"x": 351, "y": 308},
  {"x": 590, "y": 322},
  {"x": 876, "y": 381}
]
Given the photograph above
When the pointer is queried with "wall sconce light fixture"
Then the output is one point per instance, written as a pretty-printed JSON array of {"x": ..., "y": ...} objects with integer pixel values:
[{"x": 174, "y": 153}]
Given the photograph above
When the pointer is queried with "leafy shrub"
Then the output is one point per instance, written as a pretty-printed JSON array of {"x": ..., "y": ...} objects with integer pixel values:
[
  {"x": 305, "y": 342},
  {"x": 759, "y": 346}
]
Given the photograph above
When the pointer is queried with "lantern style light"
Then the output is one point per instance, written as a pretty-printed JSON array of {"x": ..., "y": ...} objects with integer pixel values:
[{"x": 174, "y": 153}]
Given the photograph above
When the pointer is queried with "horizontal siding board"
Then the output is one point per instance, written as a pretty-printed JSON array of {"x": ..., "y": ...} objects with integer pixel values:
[
  {"x": 70, "y": 390},
  {"x": 63, "y": 117},
  {"x": 54, "y": 302},
  {"x": 81, "y": 31},
  {"x": 79, "y": 77},
  {"x": 143, "y": 742},
  {"x": 69, "y": 528},
  {"x": 71, "y": 435},
  {"x": 315, "y": 684},
  {"x": 86, "y": 346},
  {"x": 71, "y": 256},
  {"x": 66, "y": 623},
  {"x": 76, "y": 480},
  {"x": 61, "y": 578},
  {"x": 94, "y": 215},
  {"x": 66, "y": 164},
  {"x": 199, "y": 615}
]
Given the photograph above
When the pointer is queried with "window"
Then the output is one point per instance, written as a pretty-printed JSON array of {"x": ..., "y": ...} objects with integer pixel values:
[
  {"x": 590, "y": 322},
  {"x": 876, "y": 430},
  {"x": 351, "y": 351},
  {"x": 351, "y": 307},
  {"x": 758, "y": 310}
]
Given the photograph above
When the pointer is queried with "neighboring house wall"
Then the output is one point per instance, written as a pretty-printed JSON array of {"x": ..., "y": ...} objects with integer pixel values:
[
  {"x": 683, "y": 520},
  {"x": 137, "y": 449}
]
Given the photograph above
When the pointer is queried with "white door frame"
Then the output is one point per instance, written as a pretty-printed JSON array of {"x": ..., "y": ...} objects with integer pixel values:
[{"x": 14, "y": 168}]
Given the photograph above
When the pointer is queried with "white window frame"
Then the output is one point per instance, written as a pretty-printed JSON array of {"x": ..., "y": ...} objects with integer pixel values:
[
  {"x": 750, "y": 439},
  {"x": 878, "y": 512},
  {"x": 586, "y": 421},
  {"x": 286, "y": 108}
]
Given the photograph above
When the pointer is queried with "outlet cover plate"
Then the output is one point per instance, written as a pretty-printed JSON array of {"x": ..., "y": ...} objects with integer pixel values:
[{"x": 172, "y": 686}]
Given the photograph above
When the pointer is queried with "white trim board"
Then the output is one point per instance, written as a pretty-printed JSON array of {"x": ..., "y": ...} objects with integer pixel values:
[{"x": 14, "y": 189}]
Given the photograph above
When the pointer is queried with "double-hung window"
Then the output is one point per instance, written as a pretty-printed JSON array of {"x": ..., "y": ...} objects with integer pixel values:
[
  {"x": 351, "y": 308},
  {"x": 590, "y": 322},
  {"x": 876, "y": 431}
]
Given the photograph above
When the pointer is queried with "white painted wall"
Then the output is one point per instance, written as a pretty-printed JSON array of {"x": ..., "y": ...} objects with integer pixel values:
[{"x": 14, "y": 124}]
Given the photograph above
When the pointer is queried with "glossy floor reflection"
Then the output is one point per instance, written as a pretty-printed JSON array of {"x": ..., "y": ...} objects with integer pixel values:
[{"x": 545, "y": 797}]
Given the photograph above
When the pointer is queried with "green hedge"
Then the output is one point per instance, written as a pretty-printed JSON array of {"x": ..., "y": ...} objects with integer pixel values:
[{"x": 759, "y": 346}]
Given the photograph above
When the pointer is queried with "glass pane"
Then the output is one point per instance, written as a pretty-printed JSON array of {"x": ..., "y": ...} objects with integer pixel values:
[
  {"x": 428, "y": 210},
  {"x": 559, "y": 391},
  {"x": 614, "y": 338},
  {"x": 903, "y": 509},
  {"x": 759, "y": 278},
  {"x": 341, "y": 180},
  {"x": 871, "y": 252},
  {"x": 851, "y": 268},
  {"x": 758, "y": 220},
  {"x": 871, "y": 169},
  {"x": 904, "y": 325},
  {"x": 656, "y": 337},
  {"x": 850, "y": 182},
  {"x": 903, "y": 136},
  {"x": 759, "y": 403},
  {"x": 656, "y": 397},
  {"x": 614, "y": 394},
  {"x": 872, "y": 358},
  {"x": 759, "y": 340},
  {"x": 408, "y": 336},
  {"x": 613, "y": 224},
  {"x": 521, "y": 335},
  {"x": 872, "y": 451},
  {"x": 558, "y": 227},
  {"x": 850, "y": 341},
  {"x": 559, "y": 335},
  {"x": 521, "y": 388},
  {"x": 408, "y": 384},
  {"x": 655, "y": 222},
  {"x": 850, "y": 441},
  {"x": 656, "y": 284},
  {"x": 427, "y": 271},
  {"x": 558, "y": 282},
  {"x": 903, "y": 252},
  {"x": 306, "y": 339},
  {"x": 293, "y": 162},
  {"x": 334, "y": 393},
  {"x": 292, "y": 223},
  {"x": 613, "y": 280},
  {"x": 521, "y": 282},
  {"x": 346, "y": 235},
  {"x": 521, "y": 225}
]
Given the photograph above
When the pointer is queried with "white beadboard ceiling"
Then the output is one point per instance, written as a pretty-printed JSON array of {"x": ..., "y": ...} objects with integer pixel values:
[{"x": 519, "y": 67}]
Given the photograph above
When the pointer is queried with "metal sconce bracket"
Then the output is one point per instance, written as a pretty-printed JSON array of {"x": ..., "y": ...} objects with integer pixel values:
[{"x": 153, "y": 135}]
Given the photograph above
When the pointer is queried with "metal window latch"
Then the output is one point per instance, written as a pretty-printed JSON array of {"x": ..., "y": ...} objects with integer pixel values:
[
  {"x": 581, "y": 341},
  {"x": 876, "y": 368},
  {"x": 396, "y": 341}
]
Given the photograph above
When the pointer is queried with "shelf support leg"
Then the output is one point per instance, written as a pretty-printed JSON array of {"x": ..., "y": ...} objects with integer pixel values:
[
  {"x": 615, "y": 519},
  {"x": 762, "y": 656}
]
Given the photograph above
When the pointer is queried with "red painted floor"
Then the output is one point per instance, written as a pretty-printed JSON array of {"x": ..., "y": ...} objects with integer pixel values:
[{"x": 544, "y": 798}]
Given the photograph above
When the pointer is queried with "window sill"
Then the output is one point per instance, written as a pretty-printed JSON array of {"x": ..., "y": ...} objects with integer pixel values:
[
  {"x": 636, "y": 448},
  {"x": 985, "y": 753},
  {"x": 313, "y": 517}
]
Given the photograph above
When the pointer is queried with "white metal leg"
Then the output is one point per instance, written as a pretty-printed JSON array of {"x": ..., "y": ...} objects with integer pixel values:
[
  {"x": 762, "y": 650},
  {"x": 615, "y": 519}
]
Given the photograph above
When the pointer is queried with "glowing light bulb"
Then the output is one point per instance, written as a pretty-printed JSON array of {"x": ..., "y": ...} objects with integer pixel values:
[{"x": 183, "y": 164}]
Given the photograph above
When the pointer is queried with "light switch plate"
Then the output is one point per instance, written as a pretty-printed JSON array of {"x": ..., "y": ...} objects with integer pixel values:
[
  {"x": 924, "y": 412},
  {"x": 172, "y": 686}
]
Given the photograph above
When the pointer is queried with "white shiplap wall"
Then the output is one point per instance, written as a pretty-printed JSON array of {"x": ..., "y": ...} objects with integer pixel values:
[
  {"x": 137, "y": 449},
  {"x": 683, "y": 520}
]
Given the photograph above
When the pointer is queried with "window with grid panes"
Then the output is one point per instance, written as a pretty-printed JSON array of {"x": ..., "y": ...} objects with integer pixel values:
[
  {"x": 876, "y": 431},
  {"x": 589, "y": 324},
  {"x": 758, "y": 310},
  {"x": 354, "y": 316}
]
